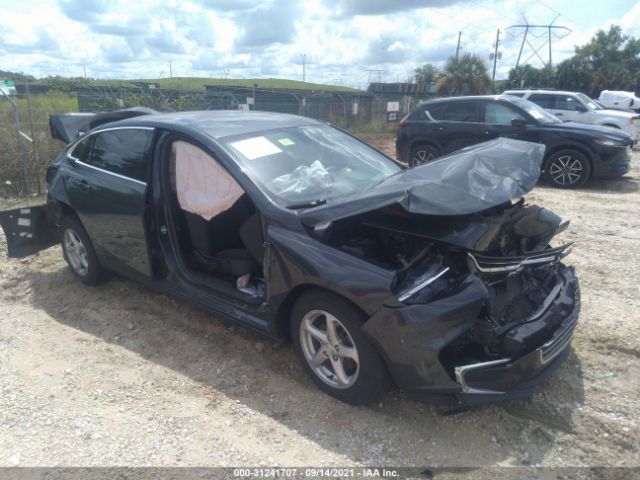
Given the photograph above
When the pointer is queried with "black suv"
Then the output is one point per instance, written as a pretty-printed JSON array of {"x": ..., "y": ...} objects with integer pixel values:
[{"x": 574, "y": 152}]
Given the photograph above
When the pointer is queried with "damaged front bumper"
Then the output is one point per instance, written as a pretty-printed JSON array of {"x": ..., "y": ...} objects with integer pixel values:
[{"x": 413, "y": 340}]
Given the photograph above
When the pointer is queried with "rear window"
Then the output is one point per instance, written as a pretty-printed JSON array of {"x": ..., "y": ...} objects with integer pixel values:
[{"x": 515, "y": 94}]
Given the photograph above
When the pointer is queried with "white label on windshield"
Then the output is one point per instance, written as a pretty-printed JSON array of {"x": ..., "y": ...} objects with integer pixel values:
[
  {"x": 535, "y": 114},
  {"x": 256, "y": 147}
]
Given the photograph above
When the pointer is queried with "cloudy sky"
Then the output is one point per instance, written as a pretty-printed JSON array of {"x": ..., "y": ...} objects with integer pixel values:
[{"x": 342, "y": 39}]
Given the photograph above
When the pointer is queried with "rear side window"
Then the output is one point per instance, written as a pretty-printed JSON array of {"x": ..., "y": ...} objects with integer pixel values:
[
  {"x": 542, "y": 100},
  {"x": 460, "y": 112},
  {"x": 81, "y": 150},
  {"x": 125, "y": 152}
]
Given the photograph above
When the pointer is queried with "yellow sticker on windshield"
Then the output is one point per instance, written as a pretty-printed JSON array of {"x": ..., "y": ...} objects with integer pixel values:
[{"x": 285, "y": 141}]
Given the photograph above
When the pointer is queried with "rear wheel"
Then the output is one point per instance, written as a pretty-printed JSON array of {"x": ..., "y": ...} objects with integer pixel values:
[
  {"x": 334, "y": 352},
  {"x": 567, "y": 169},
  {"x": 422, "y": 154},
  {"x": 79, "y": 253}
]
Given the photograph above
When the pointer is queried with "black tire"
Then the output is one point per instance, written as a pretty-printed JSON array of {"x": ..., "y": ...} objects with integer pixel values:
[
  {"x": 567, "y": 169},
  {"x": 89, "y": 270},
  {"x": 368, "y": 375},
  {"x": 422, "y": 154}
]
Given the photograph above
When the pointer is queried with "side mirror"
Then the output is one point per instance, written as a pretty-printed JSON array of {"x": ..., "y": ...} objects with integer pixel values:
[
  {"x": 580, "y": 108},
  {"x": 518, "y": 122}
]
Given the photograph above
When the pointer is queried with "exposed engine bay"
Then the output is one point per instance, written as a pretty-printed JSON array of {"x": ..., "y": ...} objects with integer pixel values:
[{"x": 507, "y": 247}]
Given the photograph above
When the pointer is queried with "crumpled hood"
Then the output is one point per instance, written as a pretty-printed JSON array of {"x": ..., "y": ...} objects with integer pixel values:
[{"x": 468, "y": 181}]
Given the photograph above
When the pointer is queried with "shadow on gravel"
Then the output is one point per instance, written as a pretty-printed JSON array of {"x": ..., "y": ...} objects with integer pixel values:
[
  {"x": 230, "y": 362},
  {"x": 619, "y": 185},
  {"x": 613, "y": 185}
]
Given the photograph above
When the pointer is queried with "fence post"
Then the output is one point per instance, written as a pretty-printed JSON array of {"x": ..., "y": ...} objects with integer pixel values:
[
  {"x": 34, "y": 148},
  {"x": 25, "y": 173}
]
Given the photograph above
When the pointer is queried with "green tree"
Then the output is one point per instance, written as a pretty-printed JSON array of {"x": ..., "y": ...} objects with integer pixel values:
[
  {"x": 427, "y": 73},
  {"x": 612, "y": 58},
  {"x": 574, "y": 74},
  {"x": 466, "y": 75},
  {"x": 527, "y": 76}
]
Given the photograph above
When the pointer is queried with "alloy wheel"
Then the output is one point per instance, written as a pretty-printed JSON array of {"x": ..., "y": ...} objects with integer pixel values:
[
  {"x": 565, "y": 170},
  {"x": 329, "y": 349},
  {"x": 421, "y": 157},
  {"x": 76, "y": 252}
]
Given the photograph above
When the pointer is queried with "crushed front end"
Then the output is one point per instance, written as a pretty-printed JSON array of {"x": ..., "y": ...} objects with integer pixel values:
[{"x": 485, "y": 310}]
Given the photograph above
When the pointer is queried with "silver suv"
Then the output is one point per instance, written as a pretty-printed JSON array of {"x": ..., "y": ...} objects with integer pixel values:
[{"x": 577, "y": 107}]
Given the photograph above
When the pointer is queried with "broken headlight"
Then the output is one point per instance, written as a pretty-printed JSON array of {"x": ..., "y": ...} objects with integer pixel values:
[{"x": 423, "y": 285}]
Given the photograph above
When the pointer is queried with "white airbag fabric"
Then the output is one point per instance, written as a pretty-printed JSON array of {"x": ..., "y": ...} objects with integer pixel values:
[{"x": 203, "y": 186}]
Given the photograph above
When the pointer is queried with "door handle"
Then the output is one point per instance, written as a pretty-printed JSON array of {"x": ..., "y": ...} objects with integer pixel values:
[
  {"x": 84, "y": 185},
  {"x": 559, "y": 114}
]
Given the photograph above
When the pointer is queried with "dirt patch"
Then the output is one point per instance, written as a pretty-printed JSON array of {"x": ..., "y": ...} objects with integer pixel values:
[{"x": 122, "y": 375}]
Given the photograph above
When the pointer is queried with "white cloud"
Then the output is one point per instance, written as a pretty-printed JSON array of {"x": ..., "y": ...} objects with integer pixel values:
[{"x": 341, "y": 39}]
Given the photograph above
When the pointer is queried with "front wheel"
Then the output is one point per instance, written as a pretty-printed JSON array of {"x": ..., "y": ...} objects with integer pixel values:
[
  {"x": 422, "y": 154},
  {"x": 334, "y": 352},
  {"x": 567, "y": 169},
  {"x": 79, "y": 253}
]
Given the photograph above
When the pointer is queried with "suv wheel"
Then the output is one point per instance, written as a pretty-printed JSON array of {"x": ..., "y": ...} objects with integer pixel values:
[
  {"x": 333, "y": 350},
  {"x": 79, "y": 253},
  {"x": 567, "y": 169},
  {"x": 422, "y": 154}
]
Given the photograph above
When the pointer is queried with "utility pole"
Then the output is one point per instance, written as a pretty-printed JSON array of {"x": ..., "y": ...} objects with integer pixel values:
[
  {"x": 304, "y": 64},
  {"x": 458, "y": 46},
  {"x": 34, "y": 146},
  {"x": 495, "y": 60},
  {"x": 170, "y": 71}
]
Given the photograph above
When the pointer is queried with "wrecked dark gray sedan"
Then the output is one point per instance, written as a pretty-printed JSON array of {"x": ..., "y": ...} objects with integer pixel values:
[{"x": 438, "y": 279}]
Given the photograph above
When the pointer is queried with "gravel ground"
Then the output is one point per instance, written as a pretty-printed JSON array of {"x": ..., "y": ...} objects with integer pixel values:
[{"x": 122, "y": 375}]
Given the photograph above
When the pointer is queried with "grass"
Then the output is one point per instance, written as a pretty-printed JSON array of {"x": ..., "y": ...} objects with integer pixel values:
[
  {"x": 38, "y": 158},
  {"x": 197, "y": 83}
]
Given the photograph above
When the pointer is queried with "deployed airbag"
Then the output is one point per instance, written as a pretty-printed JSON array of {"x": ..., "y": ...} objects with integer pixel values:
[
  {"x": 468, "y": 181},
  {"x": 202, "y": 185}
]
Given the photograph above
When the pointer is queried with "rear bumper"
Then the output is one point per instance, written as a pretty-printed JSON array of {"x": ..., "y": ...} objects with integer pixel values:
[{"x": 411, "y": 339}]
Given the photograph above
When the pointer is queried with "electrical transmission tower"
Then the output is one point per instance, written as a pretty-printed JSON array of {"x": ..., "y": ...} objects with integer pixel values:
[{"x": 547, "y": 32}]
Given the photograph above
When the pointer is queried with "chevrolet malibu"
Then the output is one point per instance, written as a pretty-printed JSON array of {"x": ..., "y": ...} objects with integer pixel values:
[{"x": 438, "y": 279}]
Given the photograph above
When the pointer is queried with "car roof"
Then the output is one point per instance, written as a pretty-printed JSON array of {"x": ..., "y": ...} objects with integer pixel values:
[
  {"x": 535, "y": 90},
  {"x": 217, "y": 123},
  {"x": 469, "y": 97}
]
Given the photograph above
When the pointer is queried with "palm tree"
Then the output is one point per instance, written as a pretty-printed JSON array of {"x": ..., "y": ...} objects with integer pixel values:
[{"x": 466, "y": 75}]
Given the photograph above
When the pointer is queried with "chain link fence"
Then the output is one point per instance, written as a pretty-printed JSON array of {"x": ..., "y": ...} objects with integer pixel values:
[{"x": 27, "y": 148}]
